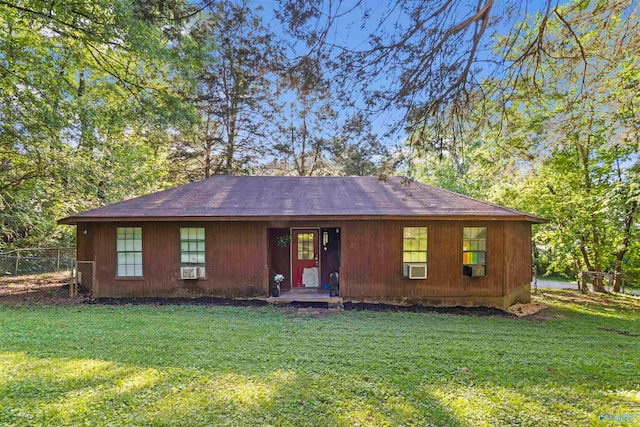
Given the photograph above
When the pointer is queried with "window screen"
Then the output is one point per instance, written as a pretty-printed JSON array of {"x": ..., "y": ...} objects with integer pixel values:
[{"x": 129, "y": 251}]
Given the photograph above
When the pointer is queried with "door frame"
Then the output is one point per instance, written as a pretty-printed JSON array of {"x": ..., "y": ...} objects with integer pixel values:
[{"x": 291, "y": 255}]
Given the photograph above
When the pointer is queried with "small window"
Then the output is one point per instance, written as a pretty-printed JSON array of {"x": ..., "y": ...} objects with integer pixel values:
[
  {"x": 129, "y": 251},
  {"x": 474, "y": 251},
  {"x": 192, "y": 250},
  {"x": 414, "y": 247}
]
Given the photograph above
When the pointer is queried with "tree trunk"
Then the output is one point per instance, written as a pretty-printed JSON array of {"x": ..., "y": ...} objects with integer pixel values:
[
  {"x": 583, "y": 152},
  {"x": 598, "y": 283},
  {"x": 577, "y": 271},
  {"x": 229, "y": 153},
  {"x": 207, "y": 160},
  {"x": 629, "y": 220},
  {"x": 617, "y": 281},
  {"x": 597, "y": 280},
  {"x": 583, "y": 284},
  {"x": 208, "y": 145}
]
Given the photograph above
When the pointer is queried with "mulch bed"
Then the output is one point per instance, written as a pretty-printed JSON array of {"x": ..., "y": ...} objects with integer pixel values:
[
  {"x": 475, "y": 311},
  {"x": 204, "y": 301}
]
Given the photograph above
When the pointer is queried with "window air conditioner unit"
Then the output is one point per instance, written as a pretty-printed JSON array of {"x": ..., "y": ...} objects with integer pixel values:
[
  {"x": 478, "y": 271},
  {"x": 416, "y": 271},
  {"x": 189, "y": 273}
]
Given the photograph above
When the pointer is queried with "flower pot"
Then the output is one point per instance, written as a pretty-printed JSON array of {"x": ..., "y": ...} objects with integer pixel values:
[{"x": 275, "y": 291}]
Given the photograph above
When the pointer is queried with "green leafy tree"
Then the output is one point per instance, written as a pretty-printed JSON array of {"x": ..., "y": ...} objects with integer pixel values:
[
  {"x": 559, "y": 137},
  {"x": 87, "y": 91},
  {"x": 234, "y": 82},
  {"x": 302, "y": 129}
]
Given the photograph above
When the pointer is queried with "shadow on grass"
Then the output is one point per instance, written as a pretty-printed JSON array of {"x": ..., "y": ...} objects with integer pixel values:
[
  {"x": 575, "y": 303},
  {"x": 72, "y": 392},
  {"x": 246, "y": 366}
]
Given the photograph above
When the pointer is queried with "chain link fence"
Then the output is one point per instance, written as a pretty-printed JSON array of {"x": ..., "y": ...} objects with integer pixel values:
[
  {"x": 29, "y": 262},
  {"x": 20, "y": 262},
  {"x": 83, "y": 283}
]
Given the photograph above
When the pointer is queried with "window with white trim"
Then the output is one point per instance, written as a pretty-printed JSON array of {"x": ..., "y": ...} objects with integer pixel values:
[
  {"x": 192, "y": 249},
  {"x": 414, "y": 247},
  {"x": 129, "y": 251},
  {"x": 474, "y": 251}
]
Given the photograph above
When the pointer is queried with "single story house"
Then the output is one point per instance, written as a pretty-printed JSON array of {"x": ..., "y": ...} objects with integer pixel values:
[{"x": 391, "y": 241}]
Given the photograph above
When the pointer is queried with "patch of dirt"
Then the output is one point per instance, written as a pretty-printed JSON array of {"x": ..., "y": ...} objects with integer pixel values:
[
  {"x": 307, "y": 304},
  {"x": 529, "y": 309},
  {"x": 543, "y": 316},
  {"x": 314, "y": 312},
  {"x": 47, "y": 289},
  {"x": 616, "y": 331}
]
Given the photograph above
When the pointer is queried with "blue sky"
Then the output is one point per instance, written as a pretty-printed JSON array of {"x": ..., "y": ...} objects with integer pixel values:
[{"x": 352, "y": 31}]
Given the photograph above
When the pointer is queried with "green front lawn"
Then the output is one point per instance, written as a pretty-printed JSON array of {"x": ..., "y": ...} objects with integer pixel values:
[{"x": 189, "y": 365}]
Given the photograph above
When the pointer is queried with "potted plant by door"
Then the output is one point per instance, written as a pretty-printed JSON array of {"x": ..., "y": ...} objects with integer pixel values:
[
  {"x": 334, "y": 284},
  {"x": 275, "y": 285},
  {"x": 284, "y": 240}
]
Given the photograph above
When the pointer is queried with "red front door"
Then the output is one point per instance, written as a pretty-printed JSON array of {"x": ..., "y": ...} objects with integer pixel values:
[{"x": 304, "y": 259}]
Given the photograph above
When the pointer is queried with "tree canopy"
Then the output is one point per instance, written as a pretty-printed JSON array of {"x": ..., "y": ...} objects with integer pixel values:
[{"x": 531, "y": 105}]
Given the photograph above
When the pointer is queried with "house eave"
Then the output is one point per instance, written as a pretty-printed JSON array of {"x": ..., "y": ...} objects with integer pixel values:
[{"x": 75, "y": 220}]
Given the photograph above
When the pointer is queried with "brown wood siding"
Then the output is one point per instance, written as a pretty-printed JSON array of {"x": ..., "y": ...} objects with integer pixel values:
[
  {"x": 518, "y": 255},
  {"x": 279, "y": 257},
  {"x": 372, "y": 261},
  {"x": 236, "y": 261},
  {"x": 85, "y": 242}
]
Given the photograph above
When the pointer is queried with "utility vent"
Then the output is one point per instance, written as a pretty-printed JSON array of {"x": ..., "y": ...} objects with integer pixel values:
[
  {"x": 189, "y": 273},
  {"x": 416, "y": 271},
  {"x": 478, "y": 271}
]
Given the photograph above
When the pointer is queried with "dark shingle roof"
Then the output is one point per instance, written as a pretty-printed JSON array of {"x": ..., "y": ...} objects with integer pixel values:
[{"x": 255, "y": 197}]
